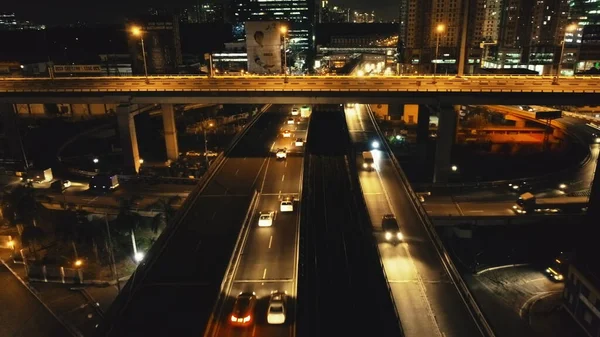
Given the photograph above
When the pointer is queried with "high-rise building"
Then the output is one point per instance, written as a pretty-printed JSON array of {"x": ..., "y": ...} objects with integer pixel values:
[
  {"x": 333, "y": 14},
  {"x": 9, "y": 21},
  {"x": 363, "y": 17},
  {"x": 300, "y": 15},
  {"x": 161, "y": 43},
  {"x": 206, "y": 13}
]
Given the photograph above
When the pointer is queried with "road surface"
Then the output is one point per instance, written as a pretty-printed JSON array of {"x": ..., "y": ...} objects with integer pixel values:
[
  {"x": 268, "y": 260},
  {"x": 175, "y": 296},
  {"x": 427, "y": 301}
]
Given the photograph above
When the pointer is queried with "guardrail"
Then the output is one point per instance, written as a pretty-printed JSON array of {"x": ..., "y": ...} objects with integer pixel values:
[
  {"x": 232, "y": 266},
  {"x": 359, "y": 197},
  {"x": 451, "y": 269},
  {"x": 162, "y": 241}
]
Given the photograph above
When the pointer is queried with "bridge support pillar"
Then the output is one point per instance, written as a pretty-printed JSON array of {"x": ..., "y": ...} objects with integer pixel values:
[
  {"x": 168, "y": 116},
  {"x": 11, "y": 132},
  {"x": 422, "y": 129},
  {"x": 126, "y": 125},
  {"x": 445, "y": 139}
]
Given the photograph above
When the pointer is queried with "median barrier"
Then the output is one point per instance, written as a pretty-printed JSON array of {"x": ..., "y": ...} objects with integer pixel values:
[
  {"x": 447, "y": 262},
  {"x": 162, "y": 241}
]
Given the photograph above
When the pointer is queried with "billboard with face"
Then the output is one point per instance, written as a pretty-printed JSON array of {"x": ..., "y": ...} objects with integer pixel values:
[{"x": 263, "y": 43}]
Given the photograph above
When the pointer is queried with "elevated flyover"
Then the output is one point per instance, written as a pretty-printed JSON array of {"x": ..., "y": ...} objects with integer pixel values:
[{"x": 304, "y": 89}]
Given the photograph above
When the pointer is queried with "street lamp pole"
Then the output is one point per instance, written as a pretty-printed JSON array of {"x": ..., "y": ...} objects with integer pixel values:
[
  {"x": 439, "y": 29},
  {"x": 283, "y": 31},
  {"x": 569, "y": 28},
  {"x": 137, "y": 31}
]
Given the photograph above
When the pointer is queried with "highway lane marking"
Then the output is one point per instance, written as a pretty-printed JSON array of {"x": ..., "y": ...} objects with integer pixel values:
[
  {"x": 285, "y": 165},
  {"x": 236, "y": 171},
  {"x": 270, "y": 241},
  {"x": 264, "y": 273},
  {"x": 372, "y": 193},
  {"x": 272, "y": 146},
  {"x": 460, "y": 211},
  {"x": 263, "y": 281},
  {"x": 476, "y": 211},
  {"x": 253, "y": 330},
  {"x": 282, "y": 177}
]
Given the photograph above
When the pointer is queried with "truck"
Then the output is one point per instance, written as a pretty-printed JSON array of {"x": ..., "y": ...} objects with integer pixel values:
[
  {"x": 368, "y": 162},
  {"x": 530, "y": 204},
  {"x": 104, "y": 182},
  {"x": 39, "y": 176},
  {"x": 305, "y": 111}
]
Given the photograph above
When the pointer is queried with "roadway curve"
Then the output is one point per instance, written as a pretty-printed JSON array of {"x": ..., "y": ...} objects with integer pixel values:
[
  {"x": 175, "y": 296},
  {"x": 195, "y": 89},
  {"x": 428, "y": 302},
  {"x": 498, "y": 201}
]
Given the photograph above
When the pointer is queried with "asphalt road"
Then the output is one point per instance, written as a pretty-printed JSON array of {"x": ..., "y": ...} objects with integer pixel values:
[
  {"x": 342, "y": 291},
  {"x": 427, "y": 301},
  {"x": 22, "y": 314},
  {"x": 177, "y": 294},
  {"x": 268, "y": 259}
]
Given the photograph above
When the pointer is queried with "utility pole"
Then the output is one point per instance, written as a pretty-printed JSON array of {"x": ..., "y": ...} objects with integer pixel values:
[
  {"x": 112, "y": 253},
  {"x": 463, "y": 39}
]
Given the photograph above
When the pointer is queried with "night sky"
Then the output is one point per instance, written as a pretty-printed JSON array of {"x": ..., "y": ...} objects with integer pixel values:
[{"x": 113, "y": 11}]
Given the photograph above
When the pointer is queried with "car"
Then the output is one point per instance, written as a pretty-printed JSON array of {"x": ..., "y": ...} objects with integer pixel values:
[
  {"x": 286, "y": 206},
  {"x": 66, "y": 183},
  {"x": 291, "y": 121},
  {"x": 281, "y": 154},
  {"x": 287, "y": 134},
  {"x": 265, "y": 219},
  {"x": 295, "y": 112},
  {"x": 299, "y": 142},
  {"x": 390, "y": 228},
  {"x": 210, "y": 154},
  {"x": 276, "y": 311},
  {"x": 243, "y": 309},
  {"x": 192, "y": 154}
]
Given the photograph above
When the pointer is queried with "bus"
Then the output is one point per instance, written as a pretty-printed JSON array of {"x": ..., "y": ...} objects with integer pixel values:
[
  {"x": 529, "y": 204},
  {"x": 368, "y": 162}
]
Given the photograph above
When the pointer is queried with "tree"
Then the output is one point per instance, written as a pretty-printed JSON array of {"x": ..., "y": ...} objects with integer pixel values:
[
  {"x": 32, "y": 236},
  {"x": 127, "y": 222},
  {"x": 166, "y": 207}
]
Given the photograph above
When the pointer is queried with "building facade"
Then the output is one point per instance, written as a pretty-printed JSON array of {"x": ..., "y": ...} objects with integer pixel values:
[
  {"x": 161, "y": 43},
  {"x": 581, "y": 296}
]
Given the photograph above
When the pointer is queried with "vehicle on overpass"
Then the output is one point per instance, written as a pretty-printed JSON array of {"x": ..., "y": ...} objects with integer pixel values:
[
  {"x": 265, "y": 219},
  {"x": 60, "y": 185},
  {"x": 299, "y": 142},
  {"x": 390, "y": 227},
  {"x": 305, "y": 111},
  {"x": 559, "y": 267},
  {"x": 243, "y": 309},
  {"x": 276, "y": 310},
  {"x": 530, "y": 204},
  {"x": 104, "y": 182},
  {"x": 295, "y": 112},
  {"x": 287, "y": 134},
  {"x": 291, "y": 121},
  {"x": 39, "y": 176},
  {"x": 368, "y": 162},
  {"x": 519, "y": 187},
  {"x": 350, "y": 105},
  {"x": 286, "y": 205},
  {"x": 281, "y": 153}
]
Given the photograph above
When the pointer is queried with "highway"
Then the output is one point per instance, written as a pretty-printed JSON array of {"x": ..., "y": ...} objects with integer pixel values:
[
  {"x": 342, "y": 291},
  {"x": 269, "y": 257},
  {"x": 175, "y": 293},
  {"x": 428, "y": 302},
  {"x": 177, "y": 89}
]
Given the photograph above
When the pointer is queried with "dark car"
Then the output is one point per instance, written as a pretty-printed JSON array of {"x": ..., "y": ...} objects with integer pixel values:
[
  {"x": 243, "y": 309},
  {"x": 390, "y": 227}
]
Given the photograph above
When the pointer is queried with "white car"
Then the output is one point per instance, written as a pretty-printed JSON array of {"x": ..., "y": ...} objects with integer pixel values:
[
  {"x": 287, "y": 134},
  {"x": 210, "y": 154},
  {"x": 66, "y": 183},
  {"x": 299, "y": 142},
  {"x": 281, "y": 154},
  {"x": 286, "y": 206},
  {"x": 291, "y": 121},
  {"x": 295, "y": 112},
  {"x": 265, "y": 219},
  {"x": 276, "y": 310}
]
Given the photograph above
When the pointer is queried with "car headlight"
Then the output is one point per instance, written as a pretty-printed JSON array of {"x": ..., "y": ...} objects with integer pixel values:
[
  {"x": 400, "y": 236},
  {"x": 365, "y": 165},
  {"x": 388, "y": 235}
]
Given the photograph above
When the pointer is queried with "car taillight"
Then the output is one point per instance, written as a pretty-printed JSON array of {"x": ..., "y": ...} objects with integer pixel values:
[
  {"x": 233, "y": 318},
  {"x": 247, "y": 319}
]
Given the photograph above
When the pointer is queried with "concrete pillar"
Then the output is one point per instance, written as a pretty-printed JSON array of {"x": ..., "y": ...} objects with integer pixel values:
[
  {"x": 411, "y": 114},
  {"x": 445, "y": 140},
  {"x": 126, "y": 125},
  {"x": 422, "y": 131},
  {"x": 168, "y": 116}
]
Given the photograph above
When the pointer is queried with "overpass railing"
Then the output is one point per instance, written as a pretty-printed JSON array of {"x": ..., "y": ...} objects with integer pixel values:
[
  {"x": 444, "y": 256},
  {"x": 158, "y": 247}
]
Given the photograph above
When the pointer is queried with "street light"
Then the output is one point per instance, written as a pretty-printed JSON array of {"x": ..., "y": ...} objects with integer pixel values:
[
  {"x": 454, "y": 168},
  {"x": 137, "y": 31},
  {"x": 210, "y": 125},
  {"x": 570, "y": 28},
  {"x": 78, "y": 263},
  {"x": 439, "y": 30},
  {"x": 283, "y": 30},
  {"x": 95, "y": 160},
  {"x": 139, "y": 256},
  {"x": 141, "y": 161}
]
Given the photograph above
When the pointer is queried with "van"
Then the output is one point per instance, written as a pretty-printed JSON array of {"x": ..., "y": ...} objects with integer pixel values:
[{"x": 368, "y": 162}]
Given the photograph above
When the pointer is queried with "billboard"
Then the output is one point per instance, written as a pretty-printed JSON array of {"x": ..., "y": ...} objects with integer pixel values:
[
  {"x": 263, "y": 43},
  {"x": 78, "y": 68}
]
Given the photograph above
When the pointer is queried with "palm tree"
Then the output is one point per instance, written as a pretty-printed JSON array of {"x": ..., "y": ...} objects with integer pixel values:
[
  {"x": 166, "y": 207},
  {"x": 127, "y": 222}
]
